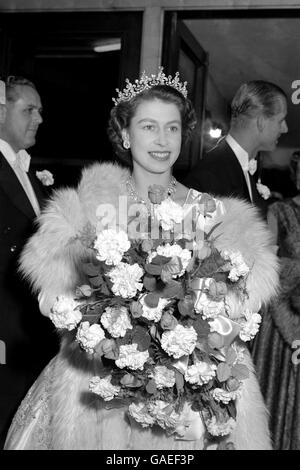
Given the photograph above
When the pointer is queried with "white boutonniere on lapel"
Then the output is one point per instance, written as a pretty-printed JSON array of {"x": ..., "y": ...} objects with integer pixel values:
[
  {"x": 263, "y": 190},
  {"x": 45, "y": 177},
  {"x": 252, "y": 166}
]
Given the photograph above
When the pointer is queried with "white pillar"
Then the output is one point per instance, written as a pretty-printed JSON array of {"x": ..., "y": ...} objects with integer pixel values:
[{"x": 152, "y": 38}]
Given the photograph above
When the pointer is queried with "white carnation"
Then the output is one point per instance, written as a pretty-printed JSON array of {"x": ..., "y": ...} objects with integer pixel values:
[
  {"x": 163, "y": 377},
  {"x": 179, "y": 342},
  {"x": 111, "y": 246},
  {"x": 250, "y": 326},
  {"x": 164, "y": 414},
  {"x": 263, "y": 190},
  {"x": 224, "y": 396},
  {"x": 89, "y": 336},
  {"x": 155, "y": 313},
  {"x": 104, "y": 388},
  {"x": 171, "y": 251},
  {"x": 216, "y": 428},
  {"x": 45, "y": 177},
  {"x": 239, "y": 267},
  {"x": 168, "y": 213},
  {"x": 64, "y": 313},
  {"x": 130, "y": 357},
  {"x": 116, "y": 321},
  {"x": 200, "y": 373},
  {"x": 126, "y": 279},
  {"x": 140, "y": 413}
]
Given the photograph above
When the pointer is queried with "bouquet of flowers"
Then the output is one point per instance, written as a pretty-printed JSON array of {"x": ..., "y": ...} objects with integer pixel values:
[{"x": 159, "y": 313}]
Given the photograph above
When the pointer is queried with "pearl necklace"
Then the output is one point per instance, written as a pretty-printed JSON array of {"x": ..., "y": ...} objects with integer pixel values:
[{"x": 132, "y": 192}]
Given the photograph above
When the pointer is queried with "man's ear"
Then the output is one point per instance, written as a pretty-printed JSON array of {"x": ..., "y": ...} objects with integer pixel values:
[
  {"x": 2, "y": 113},
  {"x": 260, "y": 122}
]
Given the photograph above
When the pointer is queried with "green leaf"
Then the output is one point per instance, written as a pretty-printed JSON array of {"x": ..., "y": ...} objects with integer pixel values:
[
  {"x": 166, "y": 277},
  {"x": 221, "y": 277},
  {"x": 152, "y": 299},
  {"x": 174, "y": 266},
  {"x": 95, "y": 309},
  {"x": 171, "y": 290},
  {"x": 223, "y": 372},
  {"x": 211, "y": 265},
  {"x": 231, "y": 407},
  {"x": 161, "y": 260},
  {"x": 149, "y": 283},
  {"x": 240, "y": 371},
  {"x": 136, "y": 309},
  {"x": 91, "y": 318},
  {"x": 96, "y": 281},
  {"x": 179, "y": 380},
  {"x": 127, "y": 339},
  {"x": 202, "y": 327},
  {"x": 117, "y": 375},
  {"x": 186, "y": 307},
  {"x": 104, "y": 289},
  {"x": 90, "y": 269},
  {"x": 153, "y": 269},
  {"x": 201, "y": 347},
  {"x": 141, "y": 337},
  {"x": 231, "y": 356},
  {"x": 151, "y": 387},
  {"x": 114, "y": 354}
]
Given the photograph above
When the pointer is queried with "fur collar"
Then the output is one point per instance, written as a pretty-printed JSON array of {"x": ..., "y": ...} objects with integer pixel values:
[{"x": 101, "y": 183}]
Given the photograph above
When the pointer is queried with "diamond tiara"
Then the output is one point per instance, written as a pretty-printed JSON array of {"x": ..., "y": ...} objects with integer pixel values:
[{"x": 147, "y": 82}]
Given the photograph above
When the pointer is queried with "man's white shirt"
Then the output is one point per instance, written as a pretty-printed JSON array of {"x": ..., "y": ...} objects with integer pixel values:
[{"x": 21, "y": 174}]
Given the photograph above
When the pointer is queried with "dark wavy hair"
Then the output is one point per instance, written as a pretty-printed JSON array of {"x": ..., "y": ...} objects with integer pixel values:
[{"x": 123, "y": 112}]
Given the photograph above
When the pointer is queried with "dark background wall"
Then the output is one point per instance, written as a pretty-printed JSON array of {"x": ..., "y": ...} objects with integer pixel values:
[{"x": 76, "y": 84}]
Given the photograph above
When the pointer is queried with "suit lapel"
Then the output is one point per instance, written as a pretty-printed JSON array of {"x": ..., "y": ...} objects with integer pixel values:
[
  {"x": 255, "y": 195},
  {"x": 14, "y": 190},
  {"x": 258, "y": 200},
  {"x": 237, "y": 176},
  {"x": 40, "y": 192}
]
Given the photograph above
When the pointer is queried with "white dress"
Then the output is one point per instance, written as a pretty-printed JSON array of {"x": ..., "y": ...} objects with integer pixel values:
[{"x": 59, "y": 411}]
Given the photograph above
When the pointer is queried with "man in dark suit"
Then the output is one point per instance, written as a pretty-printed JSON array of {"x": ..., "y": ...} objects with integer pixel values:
[
  {"x": 27, "y": 338},
  {"x": 258, "y": 112}
]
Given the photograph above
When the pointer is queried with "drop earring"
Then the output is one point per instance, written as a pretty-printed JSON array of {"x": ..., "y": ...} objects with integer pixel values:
[{"x": 126, "y": 143}]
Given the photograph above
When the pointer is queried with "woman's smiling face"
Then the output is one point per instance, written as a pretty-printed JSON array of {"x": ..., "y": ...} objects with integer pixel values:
[{"x": 155, "y": 134}]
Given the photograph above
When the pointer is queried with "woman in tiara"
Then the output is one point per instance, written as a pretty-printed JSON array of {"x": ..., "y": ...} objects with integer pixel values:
[{"x": 150, "y": 121}]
